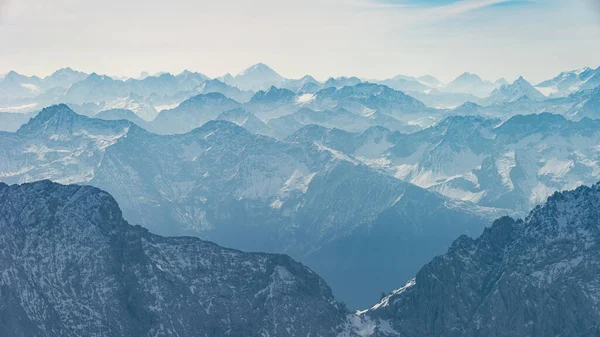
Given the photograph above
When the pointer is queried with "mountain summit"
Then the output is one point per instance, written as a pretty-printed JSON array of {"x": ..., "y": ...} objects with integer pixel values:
[
  {"x": 512, "y": 92},
  {"x": 258, "y": 77}
]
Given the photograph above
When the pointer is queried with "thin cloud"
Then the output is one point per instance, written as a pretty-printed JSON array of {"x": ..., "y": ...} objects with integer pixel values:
[{"x": 439, "y": 10}]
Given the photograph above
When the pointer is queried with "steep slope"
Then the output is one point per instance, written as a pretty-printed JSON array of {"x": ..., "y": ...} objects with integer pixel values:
[
  {"x": 569, "y": 82},
  {"x": 340, "y": 82},
  {"x": 72, "y": 266},
  {"x": 192, "y": 113},
  {"x": 225, "y": 184},
  {"x": 430, "y": 81},
  {"x": 510, "y": 93},
  {"x": 96, "y": 88},
  {"x": 299, "y": 85},
  {"x": 514, "y": 164},
  {"x": 15, "y": 85},
  {"x": 57, "y": 144},
  {"x": 470, "y": 84},
  {"x": 258, "y": 77},
  {"x": 272, "y": 103},
  {"x": 405, "y": 83},
  {"x": 225, "y": 89},
  {"x": 122, "y": 114},
  {"x": 367, "y": 98},
  {"x": 532, "y": 277},
  {"x": 339, "y": 118},
  {"x": 588, "y": 105},
  {"x": 248, "y": 121},
  {"x": 134, "y": 102},
  {"x": 63, "y": 78}
]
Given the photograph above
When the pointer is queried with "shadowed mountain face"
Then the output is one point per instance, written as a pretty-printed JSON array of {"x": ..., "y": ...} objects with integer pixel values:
[
  {"x": 72, "y": 266},
  {"x": 532, "y": 277},
  {"x": 222, "y": 183}
]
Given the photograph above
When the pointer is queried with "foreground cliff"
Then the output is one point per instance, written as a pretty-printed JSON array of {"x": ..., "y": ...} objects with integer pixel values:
[
  {"x": 537, "y": 277},
  {"x": 71, "y": 266}
]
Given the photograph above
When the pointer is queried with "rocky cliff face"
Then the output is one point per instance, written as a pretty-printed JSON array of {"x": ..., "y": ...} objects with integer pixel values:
[
  {"x": 532, "y": 277},
  {"x": 71, "y": 266}
]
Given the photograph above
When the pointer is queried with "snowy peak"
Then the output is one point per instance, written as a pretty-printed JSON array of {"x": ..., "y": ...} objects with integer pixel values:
[
  {"x": 512, "y": 92},
  {"x": 247, "y": 120},
  {"x": 60, "y": 120},
  {"x": 467, "y": 79},
  {"x": 192, "y": 113},
  {"x": 569, "y": 82},
  {"x": 273, "y": 95},
  {"x": 64, "y": 78},
  {"x": 258, "y": 69},
  {"x": 187, "y": 74},
  {"x": 257, "y": 77},
  {"x": 52, "y": 118},
  {"x": 405, "y": 83},
  {"x": 211, "y": 98},
  {"x": 95, "y": 78},
  {"x": 430, "y": 81},
  {"x": 227, "y": 90},
  {"x": 501, "y": 82},
  {"x": 471, "y": 84},
  {"x": 341, "y": 82}
]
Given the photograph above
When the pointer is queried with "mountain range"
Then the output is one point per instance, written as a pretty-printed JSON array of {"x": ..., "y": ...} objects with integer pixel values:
[
  {"x": 513, "y": 164},
  {"x": 222, "y": 183},
  {"x": 569, "y": 82},
  {"x": 260, "y": 205},
  {"x": 150, "y": 94},
  {"x": 73, "y": 266}
]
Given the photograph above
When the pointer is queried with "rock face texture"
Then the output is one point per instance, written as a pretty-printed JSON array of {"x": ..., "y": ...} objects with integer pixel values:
[
  {"x": 532, "y": 277},
  {"x": 71, "y": 266}
]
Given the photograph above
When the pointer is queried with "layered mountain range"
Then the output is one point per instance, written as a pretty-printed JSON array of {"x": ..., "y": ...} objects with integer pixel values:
[
  {"x": 362, "y": 180},
  {"x": 223, "y": 183},
  {"x": 515, "y": 164},
  {"x": 20, "y": 93},
  {"x": 72, "y": 266}
]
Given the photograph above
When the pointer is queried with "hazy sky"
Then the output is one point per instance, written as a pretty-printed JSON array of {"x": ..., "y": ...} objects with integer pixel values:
[{"x": 365, "y": 38}]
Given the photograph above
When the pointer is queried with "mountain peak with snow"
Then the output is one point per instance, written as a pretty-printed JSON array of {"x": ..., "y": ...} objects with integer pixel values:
[
  {"x": 470, "y": 83},
  {"x": 512, "y": 92},
  {"x": 257, "y": 77}
]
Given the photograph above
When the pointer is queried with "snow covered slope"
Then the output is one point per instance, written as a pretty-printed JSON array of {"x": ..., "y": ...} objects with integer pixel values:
[{"x": 514, "y": 164}]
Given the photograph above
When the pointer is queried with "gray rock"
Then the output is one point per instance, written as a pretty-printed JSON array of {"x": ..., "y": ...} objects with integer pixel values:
[
  {"x": 532, "y": 277},
  {"x": 70, "y": 265}
]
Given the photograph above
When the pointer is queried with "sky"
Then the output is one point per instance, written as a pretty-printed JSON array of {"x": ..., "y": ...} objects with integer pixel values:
[{"x": 364, "y": 38}]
